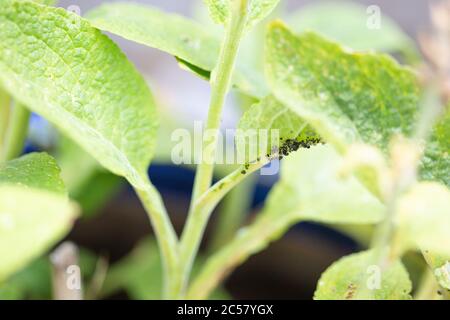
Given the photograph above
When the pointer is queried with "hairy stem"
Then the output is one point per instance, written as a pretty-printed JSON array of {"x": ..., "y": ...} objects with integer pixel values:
[
  {"x": 220, "y": 84},
  {"x": 232, "y": 213},
  {"x": 428, "y": 287},
  {"x": 165, "y": 235},
  {"x": 202, "y": 211},
  {"x": 16, "y": 132}
]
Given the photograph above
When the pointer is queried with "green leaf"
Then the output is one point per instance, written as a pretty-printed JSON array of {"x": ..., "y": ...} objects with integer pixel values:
[
  {"x": 423, "y": 218},
  {"x": 96, "y": 192},
  {"x": 350, "y": 97},
  {"x": 220, "y": 10},
  {"x": 268, "y": 127},
  {"x": 343, "y": 279},
  {"x": 346, "y": 23},
  {"x": 33, "y": 282},
  {"x": 345, "y": 96},
  {"x": 90, "y": 185},
  {"x": 140, "y": 274},
  {"x": 311, "y": 189},
  {"x": 441, "y": 267},
  {"x": 195, "y": 47},
  {"x": 34, "y": 210},
  {"x": 32, "y": 220},
  {"x": 436, "y": 160},
  {"x": 69, "y": 72},
  {"x": 35, "y": 170}
]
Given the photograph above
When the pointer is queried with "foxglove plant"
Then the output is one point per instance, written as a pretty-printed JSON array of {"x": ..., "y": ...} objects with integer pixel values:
[{"x": 357, "y": 146}]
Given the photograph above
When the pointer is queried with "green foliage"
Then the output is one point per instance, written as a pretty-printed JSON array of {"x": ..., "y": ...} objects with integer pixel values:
[
  {"x": 311, "y": 189},
  {"x": 345, "y": 96},
  {"x": 33, "y": 282},
  {"x": 34, "y": 170},
  {"x": 195, "y": 47},
  {"x": 47, "y": 2},
  {"x": 87, "y": 182},
  {"x": 221, "y": 10},
  {"x": 344, "y": 279},
  {"x": 81, "y": 82},
  {"x": 34, "y": 211},
  {"x": 346, "y": 23}
]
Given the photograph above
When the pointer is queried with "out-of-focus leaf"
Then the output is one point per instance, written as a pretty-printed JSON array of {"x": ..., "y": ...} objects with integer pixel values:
[
  {"x": 195, "y": 47},
  {"x": 79, "y": 80},
  {"x": 96, "y": 192},
  {"x": 348, "y": 23},
  {"x": 423, "y": 218},
  {"x": 77, "y": 166},
  {"x": 34, "y": 210},
  {"x": 34, "y": 170},
  {"x": 44, "y": 2},
  {"x": 349, "y": 97},
  {"x": 343, "y": 280},
  {"x": 30, "y": 222},
  {"x": 440, "y": 266},
  {"x": 87, "y": 182},
  {"x": 311, "y": 189},
  {"x": 436, "y": 160},
  {"x": 220, "y": 10},
  {"x": 33, "y": 282}
]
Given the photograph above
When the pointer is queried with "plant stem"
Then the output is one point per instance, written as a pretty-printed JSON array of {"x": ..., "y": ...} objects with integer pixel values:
[
  {"x": 236, "y": 204},
  {"x": 249, "y": 240},
  {"x": 16, "y": 132},
  {"x": 232, "y": 213},
  {"x": 384, "y": 233},
  {"x": 220, "y": 84},
  {"x": 202, "y": 211},
  {"x": 166, "y": 237}
]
